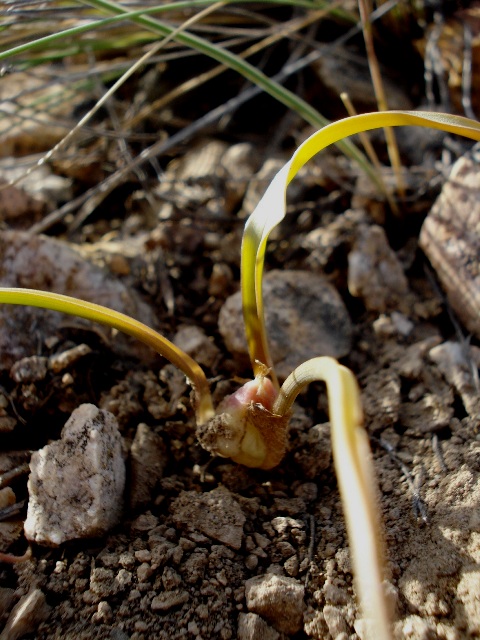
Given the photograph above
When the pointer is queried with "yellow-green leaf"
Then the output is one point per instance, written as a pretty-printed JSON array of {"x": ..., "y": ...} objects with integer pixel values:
[
  {"x": 271, "y": 208},
  {"x": 103, "y": 315}
]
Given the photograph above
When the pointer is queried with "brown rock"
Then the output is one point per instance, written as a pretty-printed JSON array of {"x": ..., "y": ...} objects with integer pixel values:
[
  {"x": 305, "y": 317},
  {"x": 450, "y": 237},
  {"x": 38, "y": 262},
  {"x": 216, "y": 514}
]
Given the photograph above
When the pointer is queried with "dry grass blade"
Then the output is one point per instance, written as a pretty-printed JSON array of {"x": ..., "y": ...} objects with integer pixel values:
[{"x": 354, "y": 470}]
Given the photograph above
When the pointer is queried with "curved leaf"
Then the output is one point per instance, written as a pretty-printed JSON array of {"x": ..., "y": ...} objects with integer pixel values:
[
  {"x": 116, "y": 320},
  {"x": 272, "y": 207}
]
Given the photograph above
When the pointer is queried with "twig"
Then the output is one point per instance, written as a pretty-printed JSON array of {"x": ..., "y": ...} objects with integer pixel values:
[
  {"x": 380, "y": 96},
  {"x": 419, "y": 507}
]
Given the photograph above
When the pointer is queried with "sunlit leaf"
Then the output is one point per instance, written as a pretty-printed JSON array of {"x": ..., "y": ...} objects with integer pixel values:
[{"x": 272, "y": 207}]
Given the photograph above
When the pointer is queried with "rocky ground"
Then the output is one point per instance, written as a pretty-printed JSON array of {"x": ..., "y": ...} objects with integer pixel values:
[{"x": 203, "y": 548}]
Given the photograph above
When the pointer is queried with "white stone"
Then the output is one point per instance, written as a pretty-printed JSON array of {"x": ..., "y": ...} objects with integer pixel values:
[{"x": 76, "y": 484}]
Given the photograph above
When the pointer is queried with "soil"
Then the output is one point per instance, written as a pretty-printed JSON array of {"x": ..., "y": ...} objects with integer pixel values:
[{"x": 195, "y": 531}]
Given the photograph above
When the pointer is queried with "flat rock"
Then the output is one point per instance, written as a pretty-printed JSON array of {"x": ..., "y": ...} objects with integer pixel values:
[
  {"x": 39, "y": 262},
  {"x": 76, "y": 483},
  {"x": 305, "y": 317},
  {"x": 169, "y": 599},
  {"x": 216, "y": 514},
  {"x": 450, "y": 237},
  {"x": 277, "y": 599}
]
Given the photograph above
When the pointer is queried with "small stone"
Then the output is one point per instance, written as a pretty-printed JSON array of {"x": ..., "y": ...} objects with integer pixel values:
[
  {"x": 292, "y": 566},
  {"x": 7, "y": 497},
  {"x": 60, "y": 361},
  {"x": 283, "y": 524},
  {"x": 102, "y": 582},
  {"x": 144, "y": 571},
  {"x": 215, "y": 513},
  {"x": 197, "y": 345},
  {"x": 253, "y": 627},
  {"x": 374, "y": 271},
  {"x": 147, "y": 463},
  {"x": 103, "y": 614},
  {"x": 29, "y": 369},
  {"x": 278, "y": 599},
  {"x": 127, "y": 560},
  {"x": 76, "y": 484},
  {"x": 456, "y": 364},
  {"x": 418, "y": 628},
  {"x": 305, "y": 317},
  {"x": 169, "y": 599},
  {"x": 25, "y": 617},
  {"x": 335, "y": 620},
  {"x": 145, "y": 522},
  {"x": 333, "y": 594}
]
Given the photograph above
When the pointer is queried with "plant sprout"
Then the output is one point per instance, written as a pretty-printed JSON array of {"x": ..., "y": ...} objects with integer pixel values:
[{"x": 251, "y": 425}]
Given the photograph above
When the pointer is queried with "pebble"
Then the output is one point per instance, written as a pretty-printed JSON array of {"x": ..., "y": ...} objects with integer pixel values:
[
  {"x": 29, "y": 369},
  {"x": 305, "y": 317},
  {"x": 195, "y": 342},
  {"x": 147, "y": 462},
  {"x": 278, "y": 599},
  {"x": 253, "y": 627},
  {"x": 335, "y": 620},
  {"x": 76, "y": 483},
  {"x": 418, "y": 628},
  {"x": 450, "y": 237},
  {"x": 169, "y": 599},
  {"x": 215, "y": 513},
  {"x": 60, "y": 361},
  {"x": 25, "y": 617},
  {"x": 454, "y": 361},
  {"x": 374, "y": 271}
]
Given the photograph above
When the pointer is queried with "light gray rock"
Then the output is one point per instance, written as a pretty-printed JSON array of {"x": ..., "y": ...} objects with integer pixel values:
[
  {"x": 76, "y": 483},
  {"x": 305, "y": 317},
  {"x": 277, "y": 599}
]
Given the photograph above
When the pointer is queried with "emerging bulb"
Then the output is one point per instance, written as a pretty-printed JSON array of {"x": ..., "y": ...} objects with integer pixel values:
[{"x": 244, "y": 427}]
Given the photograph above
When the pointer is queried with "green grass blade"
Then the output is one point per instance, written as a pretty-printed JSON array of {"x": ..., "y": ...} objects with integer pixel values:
[
  {"x": 225, "y": 57},
  {"x": 272, "y": 207},
  {"x": 356, "y": 480},
  {"x": 248, "y": 71},
  {"x": 103, "y": 315}
]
